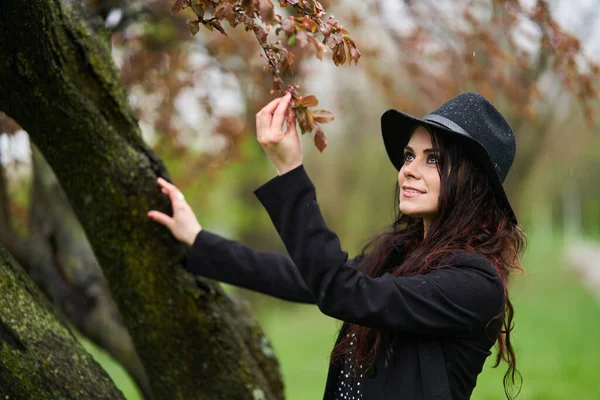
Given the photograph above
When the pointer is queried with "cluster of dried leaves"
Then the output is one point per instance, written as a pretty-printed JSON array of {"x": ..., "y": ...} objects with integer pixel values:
[
  {"x": 307, "y": 27},
  {"x": 577, "y": 71},
  {"x": 475, "y": 48}
]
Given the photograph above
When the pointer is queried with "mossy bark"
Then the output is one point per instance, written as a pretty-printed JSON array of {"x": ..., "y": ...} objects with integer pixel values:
[
  {"x": 59, "y": 259},
  {"x": 39, "y": 358},
  {"x": 59, "y": 83}
]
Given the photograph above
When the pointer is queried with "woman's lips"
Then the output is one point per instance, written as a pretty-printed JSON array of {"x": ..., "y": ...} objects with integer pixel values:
[{"x": 410, "y": 193}]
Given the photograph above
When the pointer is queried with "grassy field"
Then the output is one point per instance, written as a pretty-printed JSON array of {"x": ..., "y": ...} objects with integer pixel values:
[
  {"x": 118, "y": 374},
  {"x": 557, "y": 337}
]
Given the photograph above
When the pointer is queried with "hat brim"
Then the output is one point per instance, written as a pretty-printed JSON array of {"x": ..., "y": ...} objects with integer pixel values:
[{"x": 397, "y": 128}]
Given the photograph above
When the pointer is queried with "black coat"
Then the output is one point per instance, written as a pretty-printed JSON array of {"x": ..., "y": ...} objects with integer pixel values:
[{"x": 437, "y": 321}]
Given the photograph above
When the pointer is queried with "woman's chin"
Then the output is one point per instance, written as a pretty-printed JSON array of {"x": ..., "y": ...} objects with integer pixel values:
[{"x": 411, "y": 212}]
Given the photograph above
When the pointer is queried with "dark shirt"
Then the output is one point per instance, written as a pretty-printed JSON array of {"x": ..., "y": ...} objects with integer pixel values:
[{"x": 348, "y": 382}]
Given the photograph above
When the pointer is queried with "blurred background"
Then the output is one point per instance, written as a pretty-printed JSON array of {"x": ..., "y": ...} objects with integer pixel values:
[{"x": 196, "y": 97}]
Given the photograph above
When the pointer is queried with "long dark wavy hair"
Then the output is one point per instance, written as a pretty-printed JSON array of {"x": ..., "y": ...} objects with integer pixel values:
[{"x": 470, "y": 218}]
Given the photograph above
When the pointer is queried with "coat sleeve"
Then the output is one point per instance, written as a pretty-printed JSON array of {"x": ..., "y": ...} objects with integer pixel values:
[
  {"x": 233, "y": 262},
  {"x": 452, "y": 300}
]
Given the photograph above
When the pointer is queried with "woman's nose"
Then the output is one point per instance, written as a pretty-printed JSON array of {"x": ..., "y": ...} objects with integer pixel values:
[{"x": 409, "y": 170}]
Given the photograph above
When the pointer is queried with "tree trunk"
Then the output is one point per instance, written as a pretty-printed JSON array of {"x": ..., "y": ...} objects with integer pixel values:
[
  {"x": 39, "y": 358},
  {"x": 59, "y": 259},
  {"x": 60, "y": 84}
]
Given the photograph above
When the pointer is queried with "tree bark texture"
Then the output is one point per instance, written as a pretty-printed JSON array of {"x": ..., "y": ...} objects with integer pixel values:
[
  {"x": 60, "y": 260},
  {"x": 60, "y": 84},
  {"x": 39, "y": 358}
]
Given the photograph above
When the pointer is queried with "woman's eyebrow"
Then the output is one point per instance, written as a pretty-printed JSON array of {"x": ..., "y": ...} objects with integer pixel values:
[{"x": 424, "y": 151}]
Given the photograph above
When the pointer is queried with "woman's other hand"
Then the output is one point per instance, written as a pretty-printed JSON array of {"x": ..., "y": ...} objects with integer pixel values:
[
  {"x": 283, "y": 148},
  {"x": 183, "y": 224}
]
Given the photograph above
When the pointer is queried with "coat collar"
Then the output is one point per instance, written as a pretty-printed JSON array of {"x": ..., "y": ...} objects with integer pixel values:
[{"x": 392, "y": 259}]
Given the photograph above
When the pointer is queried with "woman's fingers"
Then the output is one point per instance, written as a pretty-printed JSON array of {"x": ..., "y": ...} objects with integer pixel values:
[
  {"x": 279, "y": 114},
  {"x": 290, "y": 122},
  {"x": 162, "y": 182},
  {"x": 183, "y": 224},
  {"x": 171, "y": 190},
  {"x": 161, "y": 218},
  {"x": 269, "y": 108},
  {"x": 264, "y": 116}
]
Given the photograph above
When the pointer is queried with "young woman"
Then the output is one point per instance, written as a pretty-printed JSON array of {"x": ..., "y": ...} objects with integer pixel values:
[{"x": 426, "y": 300}]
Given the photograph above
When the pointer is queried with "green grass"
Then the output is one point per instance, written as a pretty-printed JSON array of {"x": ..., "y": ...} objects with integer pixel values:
[
  {"x": 302, "y": 338},
  {"x": 116, "y": 372},
  {"x": 557, "y": 337}
]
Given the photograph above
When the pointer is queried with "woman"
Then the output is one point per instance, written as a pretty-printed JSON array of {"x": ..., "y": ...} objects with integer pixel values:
[{"x": 426, "y": 300}]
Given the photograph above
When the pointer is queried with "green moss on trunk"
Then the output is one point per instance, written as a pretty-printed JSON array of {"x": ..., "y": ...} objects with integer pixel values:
[
  {"x": 39, "y": 357},
  {"x": 63, "y": 88}
]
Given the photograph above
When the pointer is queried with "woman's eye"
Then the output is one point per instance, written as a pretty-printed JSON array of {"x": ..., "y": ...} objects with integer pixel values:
[
  {"x": 433, "y": 159},
  {"x": 408, "y": 157}
]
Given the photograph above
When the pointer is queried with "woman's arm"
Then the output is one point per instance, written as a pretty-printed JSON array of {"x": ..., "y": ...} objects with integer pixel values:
[
  {"x": 455, "y": 299},
  {"x": 229, "y": 261},
  {"x": 233, "y": 262}
]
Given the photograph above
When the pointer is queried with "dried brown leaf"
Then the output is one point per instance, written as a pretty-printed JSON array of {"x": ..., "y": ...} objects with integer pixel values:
[
  {"x": 339, "y": 54},
  {"x": 194, "y": 26},
  {"x": 302, "y": 118},
  {"x": 218, "y": 26},
  {"x": 286, "y": 63},
  {"x": 320, "y": 139},
  {"x": 307, "y": 24},
  {"x": 323, "y": 116},
  {"x": 319, "y": 47},
  {"x": 248, "y": 6},
  {"x": 198, "y": 10},
  {"x": 178, "y": 6},
  {"x": 308, "y": 101},
  {"x": 353, "y": 53},
  {"x": 266, "y": 9},
  {"x": 310, "y": 120},
  {"x": 225, "y": 10}
]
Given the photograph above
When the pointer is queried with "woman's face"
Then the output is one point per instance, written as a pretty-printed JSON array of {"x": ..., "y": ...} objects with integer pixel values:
[{"x": 419, "y": 179}]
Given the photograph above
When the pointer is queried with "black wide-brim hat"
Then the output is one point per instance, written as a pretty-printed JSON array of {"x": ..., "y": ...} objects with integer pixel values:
[{"x": 470, "y": 118}]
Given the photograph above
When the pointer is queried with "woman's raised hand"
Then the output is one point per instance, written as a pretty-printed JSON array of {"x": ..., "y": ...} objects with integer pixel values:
[
  {"x": 183, "y": 224},
  {"x": 283, "y": 148}
]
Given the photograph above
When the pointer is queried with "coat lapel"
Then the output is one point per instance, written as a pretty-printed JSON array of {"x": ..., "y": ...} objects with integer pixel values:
[{"x": 391, "y": 260}]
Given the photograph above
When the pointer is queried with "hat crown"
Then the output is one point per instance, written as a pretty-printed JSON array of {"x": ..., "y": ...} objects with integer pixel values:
[{"x": 483, "y": 123}]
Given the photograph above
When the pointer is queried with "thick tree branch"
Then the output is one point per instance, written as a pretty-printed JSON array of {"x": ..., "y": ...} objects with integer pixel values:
[
  {"x": 39, "y": 357},
  {"x": 76, "y": 111}
]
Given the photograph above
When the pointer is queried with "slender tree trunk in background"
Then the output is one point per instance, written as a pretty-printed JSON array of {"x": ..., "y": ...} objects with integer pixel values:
[
  {"x": 60, "y": 84},
  {"x": 59, "y": 259},
  {"x": 39, "y": 358}
]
